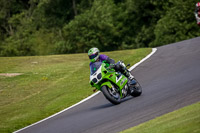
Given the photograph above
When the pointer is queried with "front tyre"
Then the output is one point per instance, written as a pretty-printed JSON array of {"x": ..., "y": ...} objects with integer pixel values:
[{"x": 111, "y": 94}]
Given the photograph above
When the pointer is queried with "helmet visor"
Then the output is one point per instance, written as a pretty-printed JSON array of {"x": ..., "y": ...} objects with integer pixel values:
[{"x": 93, "y": 55}]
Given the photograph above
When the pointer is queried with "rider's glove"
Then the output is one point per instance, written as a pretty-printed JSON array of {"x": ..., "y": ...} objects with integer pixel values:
[{"x": 111, "y": 66}]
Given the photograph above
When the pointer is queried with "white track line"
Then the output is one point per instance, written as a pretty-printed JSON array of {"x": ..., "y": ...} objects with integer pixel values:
[
  {"x": 134, "y": 66},
  {"x": 59, "y": 112}
]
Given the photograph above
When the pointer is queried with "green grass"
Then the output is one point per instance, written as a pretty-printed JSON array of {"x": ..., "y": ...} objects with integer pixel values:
[
  {"x": 184, "y": 120},
  {"x": 48, "y": 84}
]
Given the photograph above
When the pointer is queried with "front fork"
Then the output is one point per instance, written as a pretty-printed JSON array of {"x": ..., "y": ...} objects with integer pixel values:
[
  {"x": 126, "y": 71},
  {"x": 113, "y": 91}
]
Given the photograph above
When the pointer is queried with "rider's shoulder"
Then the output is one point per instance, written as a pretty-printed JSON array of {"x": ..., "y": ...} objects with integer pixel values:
[{"x": 103, "y": 57}]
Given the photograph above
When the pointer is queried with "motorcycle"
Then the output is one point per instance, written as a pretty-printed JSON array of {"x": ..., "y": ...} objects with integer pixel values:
[
  {"x": 197, "y": 15},
  {"x": 114, "y": 85}
]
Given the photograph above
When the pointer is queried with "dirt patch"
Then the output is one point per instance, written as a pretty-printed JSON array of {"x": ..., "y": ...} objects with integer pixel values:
[
  {"x": 35, "y": 62},
  {"x": 10, "y": 74}
]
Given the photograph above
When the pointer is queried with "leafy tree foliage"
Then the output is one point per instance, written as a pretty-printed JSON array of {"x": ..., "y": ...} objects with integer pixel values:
[
  {"x": 41, "y": 27},
  {"x": 94, "y": 27},
  {"x": 178, "y": 23}
]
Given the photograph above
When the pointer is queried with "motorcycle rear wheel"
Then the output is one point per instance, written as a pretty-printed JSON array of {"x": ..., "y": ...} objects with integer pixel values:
[
  {"x": 112, "y": 96},
  {"x": 137, "y": 89}
]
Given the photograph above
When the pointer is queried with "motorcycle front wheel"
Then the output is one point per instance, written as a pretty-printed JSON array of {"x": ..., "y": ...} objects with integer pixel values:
[{"x": 111, "y": 94}]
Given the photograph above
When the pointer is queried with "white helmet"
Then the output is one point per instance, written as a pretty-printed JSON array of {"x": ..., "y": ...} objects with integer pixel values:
[
  {"x": 198, "y": 5},
  {"x": 93, "y": 54}
]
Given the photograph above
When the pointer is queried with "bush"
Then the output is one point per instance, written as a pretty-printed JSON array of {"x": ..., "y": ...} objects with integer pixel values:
[
  {"x": 178, "y": 24},
  {"x": 94, "y": 28}
]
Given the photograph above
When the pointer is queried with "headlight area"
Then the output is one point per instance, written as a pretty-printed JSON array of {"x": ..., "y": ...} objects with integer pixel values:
[
  {"x": 94, "y": 80},
  {"x": 99, "y": 76}
]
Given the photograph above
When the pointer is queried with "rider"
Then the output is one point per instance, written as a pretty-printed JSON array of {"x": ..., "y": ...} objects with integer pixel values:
[
  {"x": 94, "y": 56},
  {"x": 197, "y": 13}
]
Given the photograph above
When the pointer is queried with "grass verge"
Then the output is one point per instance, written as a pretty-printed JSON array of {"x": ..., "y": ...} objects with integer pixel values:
[
  {"x": 184, "y": 120},
  {"x": 47, "y": 85}
]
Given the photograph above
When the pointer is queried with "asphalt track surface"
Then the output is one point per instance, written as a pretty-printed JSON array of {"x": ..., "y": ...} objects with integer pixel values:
[{"x": 170, "y": 80}]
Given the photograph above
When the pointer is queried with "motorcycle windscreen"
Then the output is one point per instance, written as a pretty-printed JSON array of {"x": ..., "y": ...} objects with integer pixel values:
[{"x": 94, "y": 67}]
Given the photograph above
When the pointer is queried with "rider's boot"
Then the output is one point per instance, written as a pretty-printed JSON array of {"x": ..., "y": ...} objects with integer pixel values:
[{"x": 128, "y": 75}]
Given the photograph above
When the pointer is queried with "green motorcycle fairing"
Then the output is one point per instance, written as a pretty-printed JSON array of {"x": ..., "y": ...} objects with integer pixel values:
[{"x": 101, "y": 75}]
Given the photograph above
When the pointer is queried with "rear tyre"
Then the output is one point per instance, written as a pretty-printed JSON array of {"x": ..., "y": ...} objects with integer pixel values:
[
  {"x": 137, "y": 89},
  {"x": 111, "y": 94}
]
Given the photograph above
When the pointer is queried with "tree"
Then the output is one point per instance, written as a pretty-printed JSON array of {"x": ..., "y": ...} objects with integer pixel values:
[
  {"x": 93, "y": 28},
  {"x": 178, "y": 23}
]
